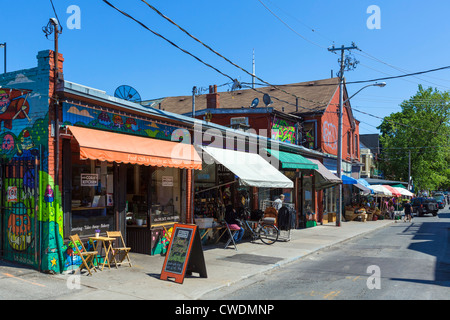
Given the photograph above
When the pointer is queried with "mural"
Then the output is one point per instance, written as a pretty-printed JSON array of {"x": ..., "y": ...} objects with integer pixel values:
[
  {"x": 330, "y": 135},
  {"x": 284, "y": 131},
  {"x": 92, "y": 118},
  {"x": 24, "y": 137}
]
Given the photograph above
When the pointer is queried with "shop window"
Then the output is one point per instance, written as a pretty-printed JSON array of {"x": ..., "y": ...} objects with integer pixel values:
[
  {"x": 166, "y": 195},
  {"x": 309, "y": 135},
  {"x": 92, "y": 196}
]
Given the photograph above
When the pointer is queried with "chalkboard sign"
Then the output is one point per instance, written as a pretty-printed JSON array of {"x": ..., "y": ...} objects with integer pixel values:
[{"x": 184, "y": 255}]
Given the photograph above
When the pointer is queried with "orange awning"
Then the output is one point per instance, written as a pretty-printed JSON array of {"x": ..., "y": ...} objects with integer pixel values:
[{"x": 123, "y": 148}]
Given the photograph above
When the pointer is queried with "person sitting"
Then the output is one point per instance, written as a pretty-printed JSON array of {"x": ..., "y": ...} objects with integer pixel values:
[{"x": 233, "y": 222}]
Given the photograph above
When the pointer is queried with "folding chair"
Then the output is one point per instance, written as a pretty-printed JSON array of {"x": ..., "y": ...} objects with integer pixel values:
[
  {"x": 231, "y": 233},
  {"x": 121, "y": 249},
  {"x": 87, "y": 257}
]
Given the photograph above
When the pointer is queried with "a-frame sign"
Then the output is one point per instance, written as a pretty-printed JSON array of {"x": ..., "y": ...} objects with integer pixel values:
[{"x": 184, "y": 255}]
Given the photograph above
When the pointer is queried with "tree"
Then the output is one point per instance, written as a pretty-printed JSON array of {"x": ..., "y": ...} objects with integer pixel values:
[{"x": 422, "y": 128}]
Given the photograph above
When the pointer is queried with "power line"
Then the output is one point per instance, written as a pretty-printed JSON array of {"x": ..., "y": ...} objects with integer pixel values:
[
  {"x": 289, "y": 27},
  {"x": 220, "y": 55},
  {"x": 198, "y": 59},
  {"x": 169, "y": 41},
  {"x": 400, "y": 76}
]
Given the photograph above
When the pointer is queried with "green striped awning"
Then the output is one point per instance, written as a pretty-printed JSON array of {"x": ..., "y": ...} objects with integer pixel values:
[{"x": 292, "y": 160}]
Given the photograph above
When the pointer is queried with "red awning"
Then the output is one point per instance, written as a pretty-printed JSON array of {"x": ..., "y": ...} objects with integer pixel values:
[{"x": 123, "y": 148}]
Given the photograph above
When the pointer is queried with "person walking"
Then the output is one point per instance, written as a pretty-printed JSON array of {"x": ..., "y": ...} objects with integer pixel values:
[{"x": 407, "y": 207}]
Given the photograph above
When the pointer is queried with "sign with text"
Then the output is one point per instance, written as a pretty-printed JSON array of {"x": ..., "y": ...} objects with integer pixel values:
[
  {"x": 89, "y": 179},
  {"x": 184, "y": 255}
]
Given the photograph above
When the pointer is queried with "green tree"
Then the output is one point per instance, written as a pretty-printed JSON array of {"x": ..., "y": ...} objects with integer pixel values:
[{"x": 423, "y": 129}]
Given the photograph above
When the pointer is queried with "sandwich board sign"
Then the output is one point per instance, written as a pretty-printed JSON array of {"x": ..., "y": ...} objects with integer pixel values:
[{"x": 184, "y": 255}]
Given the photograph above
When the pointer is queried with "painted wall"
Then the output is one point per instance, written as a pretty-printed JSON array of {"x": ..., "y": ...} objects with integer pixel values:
[{"x": 24, "y": 134}]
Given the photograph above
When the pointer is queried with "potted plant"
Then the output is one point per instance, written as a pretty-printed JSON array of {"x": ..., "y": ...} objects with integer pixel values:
[{"x": 97, "y": 233}]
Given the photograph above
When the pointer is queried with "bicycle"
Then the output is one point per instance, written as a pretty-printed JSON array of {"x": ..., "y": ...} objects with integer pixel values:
[{"x": 266, "y": 231}]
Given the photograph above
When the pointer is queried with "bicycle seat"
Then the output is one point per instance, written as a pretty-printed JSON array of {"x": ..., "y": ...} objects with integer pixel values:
[{"x": 268, "y": 220}]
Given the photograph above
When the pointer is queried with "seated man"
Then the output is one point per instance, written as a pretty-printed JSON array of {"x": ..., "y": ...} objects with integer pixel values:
[{"x": 233, "y": 223}]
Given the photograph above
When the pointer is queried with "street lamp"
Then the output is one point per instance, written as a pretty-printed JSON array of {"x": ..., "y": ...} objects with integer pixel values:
[
  {"x": 339, "y": 159},
  {"x": 3, "y": 45}
]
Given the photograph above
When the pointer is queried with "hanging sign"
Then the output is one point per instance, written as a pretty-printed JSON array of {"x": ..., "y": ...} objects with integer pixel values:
[{"x": 184, "y": 255}]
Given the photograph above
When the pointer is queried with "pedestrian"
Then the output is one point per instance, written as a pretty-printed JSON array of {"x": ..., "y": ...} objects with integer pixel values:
[
  {"x": 233, "y": 222},
  {"x": 278, "y": 203},
  {"x": 391, "y": 209},
  {"x": 407, "y": 207}
]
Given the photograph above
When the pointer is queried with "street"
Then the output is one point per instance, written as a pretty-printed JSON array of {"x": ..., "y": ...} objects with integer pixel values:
[{"x": 405, "y": 261}]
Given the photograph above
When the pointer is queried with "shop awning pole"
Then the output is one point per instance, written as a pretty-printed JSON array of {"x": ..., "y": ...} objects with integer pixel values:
[{"x": 218, "y": 186}]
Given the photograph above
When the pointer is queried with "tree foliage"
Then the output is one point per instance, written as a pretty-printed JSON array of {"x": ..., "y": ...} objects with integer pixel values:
[{"x": 423, "y": 129}]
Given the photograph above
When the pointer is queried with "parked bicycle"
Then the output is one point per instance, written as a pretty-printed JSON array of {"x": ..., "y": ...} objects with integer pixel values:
[{"x": 265, "y": 230}]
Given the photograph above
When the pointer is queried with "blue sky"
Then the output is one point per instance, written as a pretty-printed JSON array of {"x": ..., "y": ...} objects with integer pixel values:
[{"x": 110, "y": 50}]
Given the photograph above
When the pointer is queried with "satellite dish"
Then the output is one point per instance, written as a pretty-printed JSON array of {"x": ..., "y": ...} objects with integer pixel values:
[
  {"x": 267, "y": 100},
  {"x": 254, "y": 103},
  {"x": 127, "y": 93}
]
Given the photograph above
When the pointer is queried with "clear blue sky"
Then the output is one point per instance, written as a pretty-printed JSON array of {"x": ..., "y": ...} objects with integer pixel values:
[{"x": 110, "y": 50}]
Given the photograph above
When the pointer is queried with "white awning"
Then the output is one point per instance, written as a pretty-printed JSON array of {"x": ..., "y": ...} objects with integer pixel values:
[
  {"x": 251, "y": 168},
  {"x": 380, "y": 190},
  {"x": 404, "y": 192}
]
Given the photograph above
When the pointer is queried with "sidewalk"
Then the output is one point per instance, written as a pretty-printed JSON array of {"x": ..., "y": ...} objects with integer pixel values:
[{"x": 224, "y": 266}]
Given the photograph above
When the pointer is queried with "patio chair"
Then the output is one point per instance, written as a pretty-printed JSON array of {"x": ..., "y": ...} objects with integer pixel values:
[
  {"x": 118, "y": 250},
  {"x": 231, "y": 233},
  {"x": 87, "y": 257}
]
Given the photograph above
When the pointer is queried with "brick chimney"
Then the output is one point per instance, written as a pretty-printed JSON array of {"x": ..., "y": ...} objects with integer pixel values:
[{"x": 212, "y": 98}]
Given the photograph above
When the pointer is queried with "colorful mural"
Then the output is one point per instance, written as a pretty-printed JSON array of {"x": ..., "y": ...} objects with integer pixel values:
[
  {"x": 283, "y": 130},
  {"x": 33, "y": 226},
  {"x": 93, "y": 118}
]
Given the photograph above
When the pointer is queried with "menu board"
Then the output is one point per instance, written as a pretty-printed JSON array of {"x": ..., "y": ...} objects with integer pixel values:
[{"x": 184, "y": 255}]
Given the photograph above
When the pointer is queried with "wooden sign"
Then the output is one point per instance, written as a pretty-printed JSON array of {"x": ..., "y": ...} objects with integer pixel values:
[{"x": 184, "y": 255}]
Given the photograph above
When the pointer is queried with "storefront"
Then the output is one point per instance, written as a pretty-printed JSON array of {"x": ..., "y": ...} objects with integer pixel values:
[
  {"x": 233, "y": 177},
  {"x": 301, "y": 170},
  {"x": 116, "y": 181},
  {"x": 325, "y": 185}
]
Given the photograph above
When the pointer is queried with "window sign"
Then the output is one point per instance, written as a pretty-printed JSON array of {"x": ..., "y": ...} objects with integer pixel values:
[{"x": 89, "y": 179}]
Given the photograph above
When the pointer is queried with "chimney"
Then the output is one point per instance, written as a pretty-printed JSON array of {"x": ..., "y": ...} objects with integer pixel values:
[{"x": 212, "y": 98}]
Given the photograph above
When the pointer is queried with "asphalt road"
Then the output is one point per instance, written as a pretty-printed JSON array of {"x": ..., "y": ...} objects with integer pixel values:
[{"x": 405, "y": 261}]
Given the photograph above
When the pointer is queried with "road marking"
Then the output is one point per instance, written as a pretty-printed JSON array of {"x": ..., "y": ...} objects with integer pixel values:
[
  {"x": 331, "y": 295},
  {"x": 30, "y": 282}
]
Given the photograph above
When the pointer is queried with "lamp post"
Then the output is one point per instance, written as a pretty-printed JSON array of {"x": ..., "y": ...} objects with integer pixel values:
[
  {"x": 339, "y": 159},
  {"x": 3, "y": 45}
]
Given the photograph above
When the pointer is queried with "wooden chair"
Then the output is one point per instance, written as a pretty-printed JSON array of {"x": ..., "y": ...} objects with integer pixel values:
[
  {"x": 87, "y": 257},
  {"x": 121, "y": 249}
]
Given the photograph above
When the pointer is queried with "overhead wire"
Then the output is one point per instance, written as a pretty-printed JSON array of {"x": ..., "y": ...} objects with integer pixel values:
[
  {"x": 274, "y": 86},
  {"x": 223, "y": 57},
  {"x": 198, "y": 59}
]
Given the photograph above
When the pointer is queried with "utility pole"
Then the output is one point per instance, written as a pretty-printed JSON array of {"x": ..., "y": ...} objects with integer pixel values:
[
  {"x": 409, "y": 170},
  {"x": 341, "y": 102}
]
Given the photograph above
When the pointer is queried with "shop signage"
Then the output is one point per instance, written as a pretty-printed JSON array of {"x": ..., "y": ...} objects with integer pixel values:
[
  {"x": 89, "y": 179},
  {"x": 167, "y": 181},
  {"x": 184, "y": 255}
]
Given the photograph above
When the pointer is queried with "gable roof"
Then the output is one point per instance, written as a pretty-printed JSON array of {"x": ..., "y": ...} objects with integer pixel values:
[{"x": 314, "y": 97}]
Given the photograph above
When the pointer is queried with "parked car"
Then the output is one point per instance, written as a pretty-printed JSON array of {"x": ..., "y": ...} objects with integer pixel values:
[
  {"x": 422, "y": 205},
  {"x": 440, "y": 198}
]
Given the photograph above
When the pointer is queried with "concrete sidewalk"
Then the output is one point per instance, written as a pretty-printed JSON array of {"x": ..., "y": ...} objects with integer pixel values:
[{"x": 224, "y": 266}]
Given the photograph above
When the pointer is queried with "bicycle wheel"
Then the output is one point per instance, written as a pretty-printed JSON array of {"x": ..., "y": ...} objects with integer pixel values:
[{"x": 268, "y": 233}]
